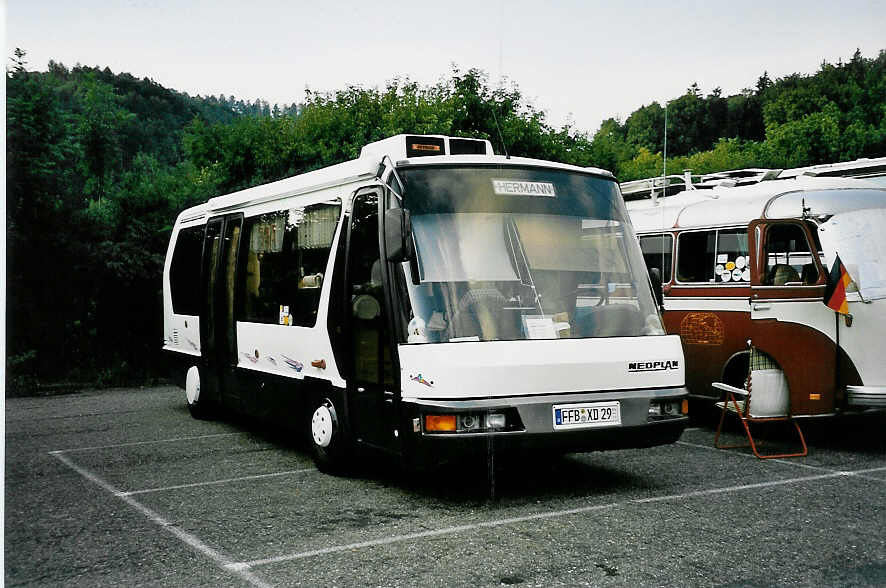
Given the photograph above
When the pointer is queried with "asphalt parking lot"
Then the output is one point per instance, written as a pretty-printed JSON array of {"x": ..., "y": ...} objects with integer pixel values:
[{"x": 122, "y": 487}]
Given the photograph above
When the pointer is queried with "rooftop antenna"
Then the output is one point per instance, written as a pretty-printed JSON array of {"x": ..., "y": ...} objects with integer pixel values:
[
  {"x": 664, "y": 191},
  {"x": 501, "y": 75},
  {"x": 664, "y": 159}
]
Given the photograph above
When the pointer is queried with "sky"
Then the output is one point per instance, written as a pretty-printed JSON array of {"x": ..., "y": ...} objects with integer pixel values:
[{"x": 581, "y": 62}]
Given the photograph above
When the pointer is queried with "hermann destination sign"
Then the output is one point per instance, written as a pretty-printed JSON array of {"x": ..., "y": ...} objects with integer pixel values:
[{"x": 517, "y": 188}]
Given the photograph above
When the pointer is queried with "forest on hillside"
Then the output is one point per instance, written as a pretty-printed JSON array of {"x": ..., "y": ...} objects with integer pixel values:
[{"x": 99, "y": 164}]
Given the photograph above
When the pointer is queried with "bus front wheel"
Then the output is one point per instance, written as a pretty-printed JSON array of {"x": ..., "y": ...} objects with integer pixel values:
[{"x": 328, "y": 444}]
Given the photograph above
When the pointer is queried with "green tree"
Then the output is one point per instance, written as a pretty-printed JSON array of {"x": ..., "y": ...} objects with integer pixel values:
[
  {"x": 42, "y": 201},
  {"x": 99, "y": 131},
  {"x": 645, "y": 127}
]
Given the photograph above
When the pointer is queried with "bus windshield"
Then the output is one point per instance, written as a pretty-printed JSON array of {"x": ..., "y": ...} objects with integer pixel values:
[
  {"x": 521, "y": 253},
  {"x": 858, "y": 237}
]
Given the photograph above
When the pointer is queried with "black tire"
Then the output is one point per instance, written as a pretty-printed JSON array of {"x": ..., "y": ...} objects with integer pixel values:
[
  {"x": 199, "y": 407},
  {"x": 330, "y": 447}
]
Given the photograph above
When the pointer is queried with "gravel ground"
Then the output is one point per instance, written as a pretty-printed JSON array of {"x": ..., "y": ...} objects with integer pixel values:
[{"x": 122, "y": 487}]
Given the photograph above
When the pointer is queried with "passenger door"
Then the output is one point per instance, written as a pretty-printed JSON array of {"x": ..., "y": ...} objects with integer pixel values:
[
  {"x": 218, "y": 329},
  {"x": 371, "y": 392},
  {"x": 789, "y": 322}
]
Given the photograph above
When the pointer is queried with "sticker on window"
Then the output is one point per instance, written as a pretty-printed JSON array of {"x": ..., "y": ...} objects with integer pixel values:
[{"x": 519, "y": 188}]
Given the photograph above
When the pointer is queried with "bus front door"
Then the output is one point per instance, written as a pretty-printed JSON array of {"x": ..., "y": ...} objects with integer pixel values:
[
  {"x": 371, "y": 381},
  {"x": 218, "y": 329},
  {"x": 789, "y": 322}
]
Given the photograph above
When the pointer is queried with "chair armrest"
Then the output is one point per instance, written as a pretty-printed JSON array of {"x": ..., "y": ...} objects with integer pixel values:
[{"x": 728, "y": 388}]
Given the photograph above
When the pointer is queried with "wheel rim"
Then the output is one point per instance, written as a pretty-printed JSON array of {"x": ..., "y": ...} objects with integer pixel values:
[
  {"x": 322, "y": 425},
  {"x": 192, "y": 385}
]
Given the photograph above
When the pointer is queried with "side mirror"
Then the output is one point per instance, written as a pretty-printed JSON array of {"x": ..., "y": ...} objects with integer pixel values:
[
  {"x": 398, "y": 235},
  {"x": 655, "y": 278}
]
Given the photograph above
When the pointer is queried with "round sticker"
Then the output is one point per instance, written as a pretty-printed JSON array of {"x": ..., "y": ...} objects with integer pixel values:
[
  {"x": 719, "y": 269},
  {"x": 730, "y": 265},
  {"x": 741, "y": 262},
  {"x": 736, "y": 274},
  {"x": 726, "y": 276},
  {"x": 746, "y": 275}
]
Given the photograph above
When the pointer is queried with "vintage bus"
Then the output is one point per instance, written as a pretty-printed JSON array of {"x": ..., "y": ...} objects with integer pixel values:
[
  {"x": 423, "y": 299},
  {"x": 748, "y": 258}
]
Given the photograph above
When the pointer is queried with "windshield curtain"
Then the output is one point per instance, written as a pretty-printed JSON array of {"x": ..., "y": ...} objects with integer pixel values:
[
  {"x": 858, "y": 238},
  {"x": 511, "y": 254}
]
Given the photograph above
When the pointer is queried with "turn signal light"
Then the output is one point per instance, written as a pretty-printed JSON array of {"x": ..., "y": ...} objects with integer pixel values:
[
  {"x": 440, "y": 422},
  {"x": 684, "y": 407}
]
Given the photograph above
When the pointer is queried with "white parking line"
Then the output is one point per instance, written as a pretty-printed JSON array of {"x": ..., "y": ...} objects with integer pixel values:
[
  {"x": 173, "y": 440},
  {"x": 421, "y": 535},
  {"x": 243, "y": 568},
  {"x": 222, "y": 561},
  {"x": 857, "y": 473},
  {"x": 214, "y": 482},
  {"x": 538, "y": 516}
]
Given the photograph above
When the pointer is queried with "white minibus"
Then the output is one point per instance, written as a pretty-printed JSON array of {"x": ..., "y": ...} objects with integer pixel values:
[{"x": 424, "y": 299}]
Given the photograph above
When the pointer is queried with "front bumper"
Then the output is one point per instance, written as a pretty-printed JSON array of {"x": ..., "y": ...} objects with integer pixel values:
[
  {"x": 866, "y": 396},
  {"x": 638, "y": 427}
]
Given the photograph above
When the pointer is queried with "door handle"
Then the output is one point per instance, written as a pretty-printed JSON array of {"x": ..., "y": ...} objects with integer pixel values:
[{"x": 761, "y": 307}]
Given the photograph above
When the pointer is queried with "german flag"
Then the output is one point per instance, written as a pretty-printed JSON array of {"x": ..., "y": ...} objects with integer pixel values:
[{"x": 835, "y": 293}]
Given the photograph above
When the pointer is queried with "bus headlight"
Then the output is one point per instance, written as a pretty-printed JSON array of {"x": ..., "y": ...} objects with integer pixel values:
[
  {"x": 495, "y": 420},
  {"x": 468, "y": 422},
  {"x": 667, "y": 408}
]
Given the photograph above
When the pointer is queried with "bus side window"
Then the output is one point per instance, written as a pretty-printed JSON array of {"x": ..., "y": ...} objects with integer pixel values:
[
  {"x": 184, "y": 271},
  {"x": 717, "y": 256},
  {"x": 657, "y": 252},
  {"x": 732, "y": 256},
  {"x": 284, "y": 263},
  {"x": 789, "y": 260},
  {"x": 695, "y": 256}
]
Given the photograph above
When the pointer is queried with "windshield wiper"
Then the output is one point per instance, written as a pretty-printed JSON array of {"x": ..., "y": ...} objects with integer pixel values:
[{"x": 519, "y": 261}]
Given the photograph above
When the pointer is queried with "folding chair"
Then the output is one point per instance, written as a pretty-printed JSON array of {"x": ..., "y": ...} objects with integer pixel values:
[{"x": 771, "y": 402}]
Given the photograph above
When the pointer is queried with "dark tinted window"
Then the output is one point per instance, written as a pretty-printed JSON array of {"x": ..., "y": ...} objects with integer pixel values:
[
  {"x": 789, "y": 260},
  {"x": 658, "y": 252},
  {"x": 284, "y": 260},
  {"x": 371, "y": 352},
  {"x": 441, "y": 190},
  {"x": 467, "y": 147},
  {"x": 717, "y": 256},
  {"x": 184, "y": 272}
]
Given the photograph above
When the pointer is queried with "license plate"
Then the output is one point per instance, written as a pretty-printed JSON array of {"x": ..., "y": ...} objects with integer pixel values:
[{"x": 592, "y": 414}]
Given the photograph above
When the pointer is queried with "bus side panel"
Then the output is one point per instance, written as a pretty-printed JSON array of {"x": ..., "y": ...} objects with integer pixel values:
[
  {"x": 808, "y": 365},
  {"x": 287, "y": 351},
  {"x": 710, "y": 339}
]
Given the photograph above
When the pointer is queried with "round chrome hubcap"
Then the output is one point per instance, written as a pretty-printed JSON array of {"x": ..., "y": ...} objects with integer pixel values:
[
  {"x": 321, "y": 426},
  {"x": 192, "y": 385}
]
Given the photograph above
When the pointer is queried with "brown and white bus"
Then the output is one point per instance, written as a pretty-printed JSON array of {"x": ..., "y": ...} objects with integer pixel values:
[{"x": 750, "y": 262}]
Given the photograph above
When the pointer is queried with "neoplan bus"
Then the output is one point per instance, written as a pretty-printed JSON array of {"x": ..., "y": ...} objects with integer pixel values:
[
  {"x": 422, "y": 299},
  {"x": 751, "y": 263}
]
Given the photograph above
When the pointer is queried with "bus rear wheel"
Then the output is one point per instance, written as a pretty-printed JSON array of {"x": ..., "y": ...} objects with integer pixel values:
[
  {"x": 329, "y": 447},
  {"x": 199, "y": 407}
]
